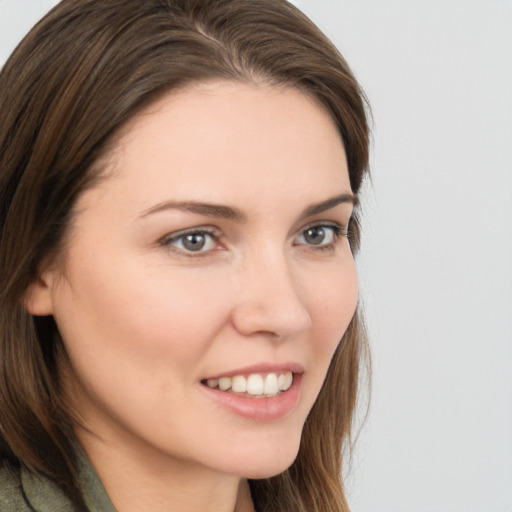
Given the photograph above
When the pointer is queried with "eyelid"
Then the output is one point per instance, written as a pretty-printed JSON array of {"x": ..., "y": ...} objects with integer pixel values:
[
  {"x": 183, "y": 232},
  {"x": 343, "y": 229},
  {"x": 338, "y": 231},
  {"x": 168, "y": 240}
]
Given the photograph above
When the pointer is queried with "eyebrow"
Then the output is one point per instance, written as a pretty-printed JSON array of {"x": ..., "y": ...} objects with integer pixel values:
[
  {"x": 207, "y": 209},
  {"x": 231, "y": 213},
  {"x": 328, "y": 204}
]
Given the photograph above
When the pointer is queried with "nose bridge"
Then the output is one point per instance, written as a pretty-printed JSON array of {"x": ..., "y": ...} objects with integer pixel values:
[{"x": 270, "y": 300}]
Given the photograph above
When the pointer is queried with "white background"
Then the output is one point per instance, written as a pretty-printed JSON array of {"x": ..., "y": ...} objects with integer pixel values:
[{"x": 436, "y": 264}]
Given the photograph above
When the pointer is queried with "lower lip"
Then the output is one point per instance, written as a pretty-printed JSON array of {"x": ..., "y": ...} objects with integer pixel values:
[{"x": 259, "y": 409}]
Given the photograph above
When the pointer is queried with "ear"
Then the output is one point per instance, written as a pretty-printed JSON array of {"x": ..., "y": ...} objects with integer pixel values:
[{"x": 38, "y": 298}]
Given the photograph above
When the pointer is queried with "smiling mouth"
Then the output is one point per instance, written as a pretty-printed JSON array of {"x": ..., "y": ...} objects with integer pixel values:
[{"x": 254, "y": 385}]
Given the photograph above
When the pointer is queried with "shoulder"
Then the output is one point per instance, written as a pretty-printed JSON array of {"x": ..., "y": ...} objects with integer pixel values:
[
  {"x": 11, "y": 491},
  {"x": 23, "y": 491}
]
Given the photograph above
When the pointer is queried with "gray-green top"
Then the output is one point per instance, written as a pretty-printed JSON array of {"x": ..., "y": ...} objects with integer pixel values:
[{"x": 23, "y": 491}]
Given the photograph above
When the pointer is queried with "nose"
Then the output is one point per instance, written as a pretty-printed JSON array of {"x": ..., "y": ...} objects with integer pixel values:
[{"x": 269, "y": 299}]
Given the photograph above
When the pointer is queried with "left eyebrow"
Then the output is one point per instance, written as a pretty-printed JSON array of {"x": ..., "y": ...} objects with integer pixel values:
[{"x": 314, "y": 209}]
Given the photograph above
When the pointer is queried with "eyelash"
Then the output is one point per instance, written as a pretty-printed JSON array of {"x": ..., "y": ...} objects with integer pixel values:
[
  {"x": 169, "y": 240},
  {"x": 338, "y": 231}
]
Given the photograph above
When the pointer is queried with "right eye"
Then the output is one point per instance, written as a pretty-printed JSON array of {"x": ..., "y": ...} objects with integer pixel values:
[{"x": 192, "y": 242}]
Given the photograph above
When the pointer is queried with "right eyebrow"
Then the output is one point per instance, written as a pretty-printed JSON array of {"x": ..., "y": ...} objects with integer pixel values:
[{"x": 207, "y": 209}]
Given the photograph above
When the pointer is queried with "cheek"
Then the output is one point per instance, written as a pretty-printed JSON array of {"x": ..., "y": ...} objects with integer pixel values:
[
  {"x": 144, "y": 314},
  {"x": 332, "y": 305},
  {"x": 335, "y": 302},
  {"x": 135, "y": 344}
]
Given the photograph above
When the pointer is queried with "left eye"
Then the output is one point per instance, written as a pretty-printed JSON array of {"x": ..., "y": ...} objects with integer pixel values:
[
  {"x": 192, "y": 241},
  {"x": 320, "y": 236}
]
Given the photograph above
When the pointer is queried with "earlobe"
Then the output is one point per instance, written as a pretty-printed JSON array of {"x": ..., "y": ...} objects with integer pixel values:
[{"x": 38, "y": 299}]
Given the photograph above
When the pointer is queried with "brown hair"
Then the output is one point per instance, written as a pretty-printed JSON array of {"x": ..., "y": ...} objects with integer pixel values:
[{"x": 84, "y": 70}]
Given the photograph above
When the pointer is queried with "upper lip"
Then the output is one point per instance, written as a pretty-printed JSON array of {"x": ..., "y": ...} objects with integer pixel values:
[{"x": 261, "y": 368}]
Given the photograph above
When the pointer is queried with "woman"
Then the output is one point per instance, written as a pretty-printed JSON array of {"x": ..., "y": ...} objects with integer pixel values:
[{"x": 178, "y": 184}]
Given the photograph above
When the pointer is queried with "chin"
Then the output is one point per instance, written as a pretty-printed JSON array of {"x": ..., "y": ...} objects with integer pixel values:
[
  {"x": 263, "y": 473},
  {"x": 268, "y": 462}
]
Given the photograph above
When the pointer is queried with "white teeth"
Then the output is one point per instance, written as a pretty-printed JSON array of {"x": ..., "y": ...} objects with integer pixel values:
[
  {"x": 239, "y": 384},
  {"x": 255, "y": 384},
  {"x": 271, "y": 386},
  {"x": 224, "y": 383},
  {"x": 285, "y": 381},
  {"x": 212, "y": 383}
]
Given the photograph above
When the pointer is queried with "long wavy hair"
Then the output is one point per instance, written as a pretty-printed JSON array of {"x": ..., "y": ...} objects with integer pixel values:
[{"x": 78, "y": 76}]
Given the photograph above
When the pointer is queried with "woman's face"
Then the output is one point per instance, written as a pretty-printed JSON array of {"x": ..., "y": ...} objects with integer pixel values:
[{"x": 214, "y": 254}]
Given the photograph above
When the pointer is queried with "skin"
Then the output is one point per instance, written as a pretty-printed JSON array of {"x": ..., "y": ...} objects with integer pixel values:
[{"x": 144, "y": 320}]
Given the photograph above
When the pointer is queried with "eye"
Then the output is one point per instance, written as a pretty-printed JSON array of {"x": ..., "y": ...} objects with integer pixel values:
[
  {"x": 320, "y": 235},
  {"x": 194, "y": 241}
]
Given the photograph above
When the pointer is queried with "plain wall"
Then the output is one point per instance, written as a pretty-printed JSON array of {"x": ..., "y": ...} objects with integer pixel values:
[{"x": 436, "y": 262}]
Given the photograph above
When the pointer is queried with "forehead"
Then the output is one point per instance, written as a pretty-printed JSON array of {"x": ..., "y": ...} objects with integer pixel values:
[{"x": 221, "y": 138}]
